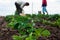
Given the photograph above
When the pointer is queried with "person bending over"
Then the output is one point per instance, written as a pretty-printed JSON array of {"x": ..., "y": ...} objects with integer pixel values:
[{"x": 20, "y": 6}]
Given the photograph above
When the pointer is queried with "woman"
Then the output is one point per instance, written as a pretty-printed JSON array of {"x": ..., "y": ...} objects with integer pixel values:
[{"x": 44, "y": 5}]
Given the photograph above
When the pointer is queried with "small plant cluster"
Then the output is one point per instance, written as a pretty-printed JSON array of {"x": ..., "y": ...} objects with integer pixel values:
[{"x": 26, "y": 25}]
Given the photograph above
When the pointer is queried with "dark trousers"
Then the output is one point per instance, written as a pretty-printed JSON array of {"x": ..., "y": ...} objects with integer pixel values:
[{"x": 18, "y": 9}]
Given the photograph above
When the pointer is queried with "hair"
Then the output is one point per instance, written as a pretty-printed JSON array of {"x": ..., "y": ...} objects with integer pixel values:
[{"x": 26, "y": 4}]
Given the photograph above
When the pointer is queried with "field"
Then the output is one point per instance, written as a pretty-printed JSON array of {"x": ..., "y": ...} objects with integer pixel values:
[{"x": 30, "y": 27}]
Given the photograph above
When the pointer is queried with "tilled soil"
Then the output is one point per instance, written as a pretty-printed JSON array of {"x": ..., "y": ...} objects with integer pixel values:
[
  {"x": 55, "y": 32},
  {"x": 6, "y": 33}
]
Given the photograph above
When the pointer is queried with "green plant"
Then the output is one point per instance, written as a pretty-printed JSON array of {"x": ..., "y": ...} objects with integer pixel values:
[
  {"x": 47, "y": 22},
  {"x": 57, "y": 23},
  {"x": 30, "y": 37},
  {"x": 15, "y": 37},
  {"x": 38, "y": 32},
  {"x": 25, "y": 26},
  {"x": 9, "y": 18},
  {"x": 41, "y": 32},
  {"x": 45, "y": 33},
  {"x": 54, "y": 17}
]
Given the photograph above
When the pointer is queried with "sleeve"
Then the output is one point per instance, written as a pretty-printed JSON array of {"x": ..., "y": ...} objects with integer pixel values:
[{"x": 22, "y": 5}]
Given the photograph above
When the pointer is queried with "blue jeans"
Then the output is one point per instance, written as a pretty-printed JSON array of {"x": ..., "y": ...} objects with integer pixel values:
[{"x": 44, "y": 9}]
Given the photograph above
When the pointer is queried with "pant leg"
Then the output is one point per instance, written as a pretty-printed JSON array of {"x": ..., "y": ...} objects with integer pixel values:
[{"x": 44, "y": 10}]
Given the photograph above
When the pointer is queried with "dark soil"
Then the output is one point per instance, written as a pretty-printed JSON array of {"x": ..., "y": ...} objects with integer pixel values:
[
  {"x": 6, "y": 33},
  {"x": 55, "y": 32}
]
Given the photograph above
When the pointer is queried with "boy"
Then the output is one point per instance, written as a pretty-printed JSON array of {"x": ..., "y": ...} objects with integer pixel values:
[{"x": 20, "y": 6}]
